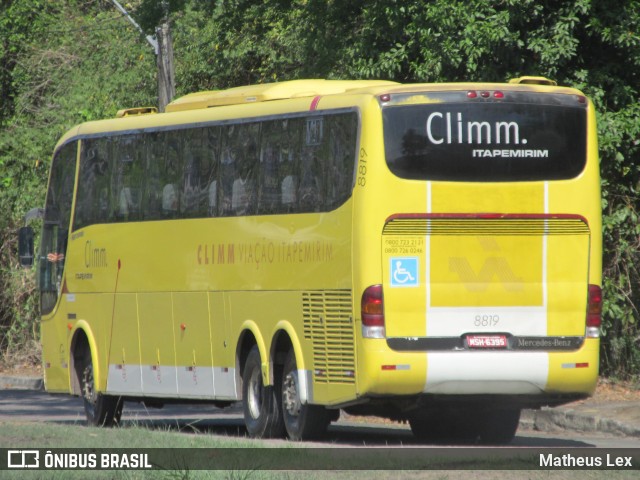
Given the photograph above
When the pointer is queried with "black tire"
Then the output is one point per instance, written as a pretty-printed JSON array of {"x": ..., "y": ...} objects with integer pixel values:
[
  {"x": 456, "y": 426},
  {"x": 302, "y": 421},
  {"x": 498, "y": 427},
  {"x": 261, "y": 405},
  {"x": 101, "y": 410},
  {"x": 423, "y": 429}
]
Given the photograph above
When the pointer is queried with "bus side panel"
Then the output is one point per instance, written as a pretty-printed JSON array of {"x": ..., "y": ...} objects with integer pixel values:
[
  {"x": 55, "y": 351},
  {"x": 194, "y": 339},
  {"x": 124, "y": 376},
  {"x": 157, "y": 350},
  {"x": 96, "y": 310},
  {"x": 223, "y": 348}
]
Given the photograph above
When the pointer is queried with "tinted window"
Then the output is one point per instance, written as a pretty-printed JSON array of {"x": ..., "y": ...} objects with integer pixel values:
[
  {"x": 239, "y": 169},
  {"x": 128, "y": 177},
  {"x": 283, "y": 165},
  {"x": 482, "y": 142},
  {"x": 93, "y": 183},
  {"x": 55, "y": 230}
]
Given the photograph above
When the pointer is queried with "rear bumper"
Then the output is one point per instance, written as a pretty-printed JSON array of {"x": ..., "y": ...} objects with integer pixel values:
[{"x": 535, "y": 377}]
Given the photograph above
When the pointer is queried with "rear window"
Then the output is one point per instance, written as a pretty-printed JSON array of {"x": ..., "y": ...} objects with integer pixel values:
[{"x": 535, "y": 137}]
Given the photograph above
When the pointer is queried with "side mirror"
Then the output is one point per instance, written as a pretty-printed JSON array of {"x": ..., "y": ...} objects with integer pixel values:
[{"x": 25, "y": 246}]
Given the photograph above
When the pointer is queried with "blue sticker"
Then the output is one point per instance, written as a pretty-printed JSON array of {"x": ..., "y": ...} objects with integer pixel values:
[{"x": 404, "y": 271}]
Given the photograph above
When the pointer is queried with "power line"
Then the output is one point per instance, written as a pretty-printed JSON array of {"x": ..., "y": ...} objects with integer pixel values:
[{"x": 151, "y": 39}]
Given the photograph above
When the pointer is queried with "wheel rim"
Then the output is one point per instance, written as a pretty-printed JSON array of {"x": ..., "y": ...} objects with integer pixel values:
[
  {"x": 255, "y": 394},
  {"x": 88, "y": 392},
  {"x": 290, "y": 397}
]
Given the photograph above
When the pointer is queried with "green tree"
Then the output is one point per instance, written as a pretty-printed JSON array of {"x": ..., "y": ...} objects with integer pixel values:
[
  {"x": 591, "y": 44},
  {"x": 151, "y": 13},
  {"x": 63, "y": 62}
]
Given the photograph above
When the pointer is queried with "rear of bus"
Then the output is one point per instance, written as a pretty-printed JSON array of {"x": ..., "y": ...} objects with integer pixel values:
[{"x": 478, "y": 240}]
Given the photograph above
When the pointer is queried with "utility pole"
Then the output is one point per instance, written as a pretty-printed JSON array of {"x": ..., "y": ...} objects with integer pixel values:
[
  {"x": 166, "y": 72},
  {"x": 163, "y": 49}
]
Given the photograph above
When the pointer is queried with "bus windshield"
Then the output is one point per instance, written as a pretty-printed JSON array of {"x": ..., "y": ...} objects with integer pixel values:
[{"x": 494, "y": 140}]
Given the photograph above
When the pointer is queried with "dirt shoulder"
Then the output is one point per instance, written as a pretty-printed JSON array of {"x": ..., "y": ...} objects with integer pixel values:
[
  {"x": 614, "y": 391},
  {"x": 21, "y": 370}
]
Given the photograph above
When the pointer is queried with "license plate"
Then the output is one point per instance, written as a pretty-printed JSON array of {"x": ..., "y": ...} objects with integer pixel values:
[{"x": 487, "y": 341}]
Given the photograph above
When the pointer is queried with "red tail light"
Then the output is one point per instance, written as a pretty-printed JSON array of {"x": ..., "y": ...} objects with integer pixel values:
[
  {"x": 372, "y": 309},
  {"x": 594, "y": 311}
]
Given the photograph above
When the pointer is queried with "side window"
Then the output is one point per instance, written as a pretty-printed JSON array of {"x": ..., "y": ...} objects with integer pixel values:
[
  {"x": 128, "y": 177},
  {"x": 239, "y": 161},
  {"x": 57, "y": 218},
  {"x": 153, "y": 152},
  {"x": 227, "y": 168},
  {"x": 269, "y": 194},
  {"x": 196, "y": 181},
  {"x": 211, "y": 168},
  {"x": 288, "y": 164},
  {"x": 172, "y": 166},
  {"x": 312, "y": 174},
  {"x": 102, "y": 185},
  {"x": 93, "y": 185},
  {"x": 341, "y": 159}
]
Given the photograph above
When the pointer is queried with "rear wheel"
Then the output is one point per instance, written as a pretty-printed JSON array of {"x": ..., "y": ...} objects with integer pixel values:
[
  {"x": 498, "y": 427},
  {"x": 445, "y": 426},
  {"x": 302, "y": 421},
  {"x": 261, "y": 405},
  {"x": 101, "y": 410}
]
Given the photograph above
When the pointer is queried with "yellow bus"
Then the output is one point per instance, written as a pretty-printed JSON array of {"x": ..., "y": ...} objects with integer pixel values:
[{"x": 428, "y": 253}]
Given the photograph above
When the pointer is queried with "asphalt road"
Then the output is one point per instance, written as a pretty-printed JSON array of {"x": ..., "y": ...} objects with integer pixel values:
[{"x": 38, "y": 406}]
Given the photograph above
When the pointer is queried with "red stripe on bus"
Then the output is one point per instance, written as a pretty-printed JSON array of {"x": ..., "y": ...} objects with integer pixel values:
[{"x": 314, "y": 103}]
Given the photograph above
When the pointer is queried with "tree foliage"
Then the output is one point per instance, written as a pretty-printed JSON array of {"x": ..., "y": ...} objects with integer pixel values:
[
  {"x": 72, "y": 60},
  {"x": 151, "y": 13},
  {"x": 63, "y": 63}
]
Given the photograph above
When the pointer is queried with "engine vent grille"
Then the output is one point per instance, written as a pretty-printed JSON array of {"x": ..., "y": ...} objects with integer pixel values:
[{"x": 328, "y": 324}]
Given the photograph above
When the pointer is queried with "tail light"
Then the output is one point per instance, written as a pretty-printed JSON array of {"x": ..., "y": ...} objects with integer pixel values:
[
  {"x": 372, "y": 308},
  {"x": 594, "y": 311}
]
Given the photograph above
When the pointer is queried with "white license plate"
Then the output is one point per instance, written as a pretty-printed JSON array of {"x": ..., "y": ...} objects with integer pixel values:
[{"x": 487, "y": 341}]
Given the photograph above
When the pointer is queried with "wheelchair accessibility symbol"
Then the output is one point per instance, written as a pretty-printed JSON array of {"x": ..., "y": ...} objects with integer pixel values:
[{"x": 404, "y": 271}]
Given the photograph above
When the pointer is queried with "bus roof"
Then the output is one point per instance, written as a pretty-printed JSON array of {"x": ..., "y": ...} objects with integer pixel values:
[
  {"x": 270, "y": 91},
  {"x": 131, "y": 119}
]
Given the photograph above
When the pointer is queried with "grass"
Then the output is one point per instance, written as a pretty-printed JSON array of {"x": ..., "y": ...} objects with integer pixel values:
[
  {"x": 44, "y": 436},
  {"x": 50, "y": 435}
]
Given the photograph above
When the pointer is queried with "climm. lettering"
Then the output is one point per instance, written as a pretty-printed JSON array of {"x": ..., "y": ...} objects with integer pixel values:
[
  {"x": 460, "y": 131},
  {"x": 94, "y": 257},
  {"x": 211, "y": 254}
]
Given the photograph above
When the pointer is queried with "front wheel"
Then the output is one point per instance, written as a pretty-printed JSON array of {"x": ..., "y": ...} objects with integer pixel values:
[
  {"x": 101, "y": 410},
  {"x": 302, "y": 421},
  {"x": 261, "y": 407}
]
